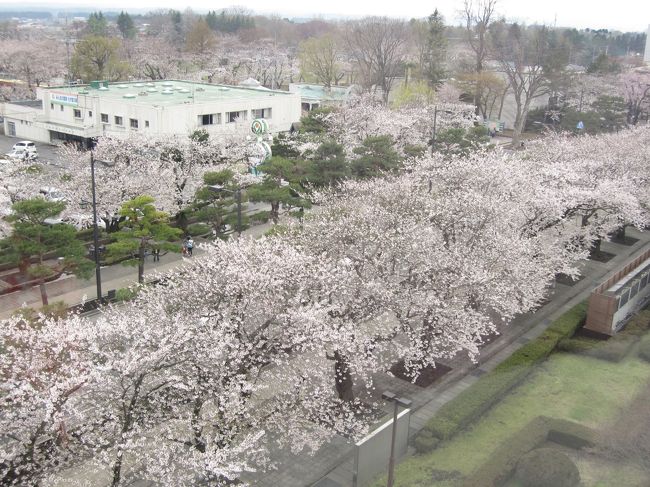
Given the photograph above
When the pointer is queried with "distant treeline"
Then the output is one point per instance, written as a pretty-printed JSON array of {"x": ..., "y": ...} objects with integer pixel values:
[
  {"x": 229, "y": 22},
  {"x": 25, "y": 15}
]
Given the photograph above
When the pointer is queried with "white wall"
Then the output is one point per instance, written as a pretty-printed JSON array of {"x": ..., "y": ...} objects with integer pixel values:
[
  {"x": 646, "y": 56},
  {"x": 27, "y": 130},
  {"x": 24, "y": 119}
]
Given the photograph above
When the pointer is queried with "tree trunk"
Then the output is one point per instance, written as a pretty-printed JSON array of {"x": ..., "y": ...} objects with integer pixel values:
[
  {"x": 197, "y": 431},
  {"x": 41, "y": 285},
  {"x": 141, "y": 264},
  {"x": 343, "y": 377},
  {"x": 619, "y": 234},
  {"x": 595, "y": 248},
  {"x": 275, "y": 212},
  {"x": 117, "y": 467}
]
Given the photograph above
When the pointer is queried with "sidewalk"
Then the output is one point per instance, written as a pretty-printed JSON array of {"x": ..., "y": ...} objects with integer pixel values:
[
  {"x": 72, "y": 290},
  {"x": 333, "y": 464}
]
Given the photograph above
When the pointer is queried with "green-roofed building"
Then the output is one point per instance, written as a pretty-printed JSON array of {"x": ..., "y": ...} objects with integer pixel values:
[
  {"x": 166, "y": 107},
  {"x": 317, "y": 96}
]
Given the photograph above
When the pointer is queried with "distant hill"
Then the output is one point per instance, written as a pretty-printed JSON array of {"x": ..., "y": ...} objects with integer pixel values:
[{"x": 28, "y": 14}]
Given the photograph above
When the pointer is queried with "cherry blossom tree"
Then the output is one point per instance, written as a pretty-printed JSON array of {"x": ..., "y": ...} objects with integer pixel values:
[
  {"x": 636, "y": 91},
  {"x": 44, "y": 366},
  {"x": 178, "y": 164},
  {"x": 36, "y": 61},
  {"x": 410, "y": 125},
  {"x": 202, "y": 376},
  {"x": 154, "y": 58},
  {"x": 602, "y": 180}
]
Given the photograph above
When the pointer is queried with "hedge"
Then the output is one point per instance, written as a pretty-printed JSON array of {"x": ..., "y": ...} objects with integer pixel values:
[
  {"x": 126, "y": 293},
  {"x": 613, "y": 349},
  {"x": 546, "y": 467},
  {"x": 644, "y": 349},
  {"x": 198, "y": 229},
  {"x": 260, "y": 217},
  {"x": 499, "y": 465},
  {"x": 473, "y": 402}
]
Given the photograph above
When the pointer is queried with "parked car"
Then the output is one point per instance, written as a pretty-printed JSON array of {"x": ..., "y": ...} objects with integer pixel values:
[
  {"x": 26, "y": 145},
  {"x": 51, "y": 193},
  {"x": 22, "y": 155},
  {"x": 78, "y": 220}
]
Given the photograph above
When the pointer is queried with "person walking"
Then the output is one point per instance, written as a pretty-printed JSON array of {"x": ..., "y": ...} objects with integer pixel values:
[{"x": 190, "y": 246}]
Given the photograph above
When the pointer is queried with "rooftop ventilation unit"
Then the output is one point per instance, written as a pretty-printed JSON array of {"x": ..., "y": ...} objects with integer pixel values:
[
  {"x": 167, "y": 92},
  {"x": 122, "y": 86},
  {"x": 129, "y": 95},
  {"x": 152, "y": 90},
  {"x": 143, "y": 93},
  {"x": 168, "y": 84},
  {"x": 151, "y": 84},
  {"x": 103, "y": 88},
  {"x": 200, "y": 89},
  {"x": 138, "y": 85},
  {"x": 184, "y": 90},
  {"x": 97, "y": 84}
]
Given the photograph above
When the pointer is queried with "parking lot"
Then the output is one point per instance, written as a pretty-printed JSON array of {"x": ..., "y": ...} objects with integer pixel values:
[{"x": 47, "y": 154}]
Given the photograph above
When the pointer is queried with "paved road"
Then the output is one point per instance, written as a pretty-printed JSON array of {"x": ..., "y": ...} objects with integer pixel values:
[{"x": 47, "y": 154}]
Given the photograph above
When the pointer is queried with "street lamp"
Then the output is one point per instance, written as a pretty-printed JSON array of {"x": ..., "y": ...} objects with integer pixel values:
[
  {"x": 217, "y": 188},
  {"x": 405, "y": 403},
  {"x": 98, "y": 273}
]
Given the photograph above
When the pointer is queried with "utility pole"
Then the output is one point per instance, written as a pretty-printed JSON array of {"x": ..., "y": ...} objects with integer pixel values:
[
  {"x": 397, "y": 401},
  {"x": 239, "y": 212},
  {"x": 98, "y": 273},
  {"x": 435, "y": 120}
]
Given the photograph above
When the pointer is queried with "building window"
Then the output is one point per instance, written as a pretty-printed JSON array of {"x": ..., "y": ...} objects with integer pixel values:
[
  {"x": 104, "y": 117},
  {"x": 262, "y": 113},
  {"x": 146, "y": 124},
  {"x": 232, "y": 117},
  {"x": 51, "y": 106},
  {"x": 77, "y": 113},
  {"x": 61, "y": 107},
  {"x": 210, "y": 119},
  {"x": 90, "y": 114},
  {"x": 133, "y": 122},
  {"x": 118, "y": 120}
]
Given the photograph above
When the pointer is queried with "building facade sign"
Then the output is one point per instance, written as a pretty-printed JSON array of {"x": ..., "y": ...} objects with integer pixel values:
[{"x": 64, "y": 98}]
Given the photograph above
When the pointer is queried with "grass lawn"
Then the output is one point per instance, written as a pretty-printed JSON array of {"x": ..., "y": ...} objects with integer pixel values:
[{"x": 567, "y": 386}]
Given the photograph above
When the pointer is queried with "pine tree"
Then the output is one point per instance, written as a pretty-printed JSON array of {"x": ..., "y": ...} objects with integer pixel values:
[
  {"x": 436, "y": 51},
  {"x": 125, "y": 24}
]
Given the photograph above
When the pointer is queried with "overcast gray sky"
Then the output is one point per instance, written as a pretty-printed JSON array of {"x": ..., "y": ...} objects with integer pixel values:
[{"x": 628, "y": 15}]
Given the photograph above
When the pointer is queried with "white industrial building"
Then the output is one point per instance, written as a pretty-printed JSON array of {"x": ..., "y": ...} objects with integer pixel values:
[{"x": 81, "y": 113}]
